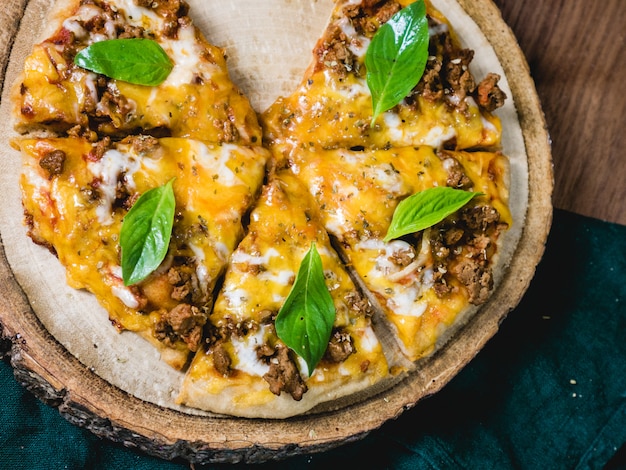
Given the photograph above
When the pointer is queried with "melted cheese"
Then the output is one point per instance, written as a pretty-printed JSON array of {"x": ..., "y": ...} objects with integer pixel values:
[
  {"x": 327, "y": 112},
  {"x": 197, "y": 100},
  {"x": 138, "y": 16},
  {"x": 401, "y": 287},
  {"x": 244, "y": 352},
  {"x": 262, "y": 270},
  {"x": 350, "y": 185},
  {"x": 333, "y": 109},
  {"x": 108, "y": 170},
  {"x": 357, "y": 193},
  {"x": 78, "y": 212},
  {"x": 188, "y": 60}
]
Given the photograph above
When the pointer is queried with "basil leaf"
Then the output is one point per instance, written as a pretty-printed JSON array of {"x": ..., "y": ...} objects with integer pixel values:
[
  {"x": 135, "y": 60},
  {"x": 425, "y": 209},
  {"x": 305, "y": 321},
  {"x": 396, "y": 57},
  {"x": 146, "y": 232}
]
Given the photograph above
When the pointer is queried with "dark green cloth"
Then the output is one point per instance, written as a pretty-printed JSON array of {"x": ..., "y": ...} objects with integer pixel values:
[{"x": 547, "y": 392}]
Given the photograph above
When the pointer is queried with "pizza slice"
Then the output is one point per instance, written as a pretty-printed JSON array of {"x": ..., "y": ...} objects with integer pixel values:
[
  {"x": 245, "y": 368},
  {"x": 332, "y": 107},
  {"x": 365, "y": 163},
  {"x": 120, "y": 98},
  {"x": 424, "y": 280},
  {"x": 76, "y": 195},
  {"x": 196, "y": 99}
]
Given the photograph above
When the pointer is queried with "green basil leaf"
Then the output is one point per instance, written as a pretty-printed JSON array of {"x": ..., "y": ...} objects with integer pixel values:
[
  {"x": 135, "y": 60},
  {"x": 396, "y": 57},
  {"x": 305, "y": 321},
  {"x": 146, "y": 232},
  {"x": 425, "y": 209}
]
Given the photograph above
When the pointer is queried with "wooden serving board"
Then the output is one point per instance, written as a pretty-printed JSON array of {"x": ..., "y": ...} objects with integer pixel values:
[{"x": 266, "y": 59}]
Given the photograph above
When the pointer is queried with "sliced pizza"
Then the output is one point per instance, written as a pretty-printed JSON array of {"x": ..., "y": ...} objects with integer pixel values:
[
  {"x": 245, "y": 368},
  {"x": 120, "y": 98},
  {"x": 76, "y": 195},
  {"x": 426, "y": 278},
  {"x": 361, "y": 160},
  {"x": 332, "y": 107},
  {"x": 196, "y": 99}
]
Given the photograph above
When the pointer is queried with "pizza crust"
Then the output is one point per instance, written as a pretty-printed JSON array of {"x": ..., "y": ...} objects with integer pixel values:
[
  {"x": 55, "y": 14},
  {"x": 321, "y": 398},
  {"x": 125, "y": 360}
]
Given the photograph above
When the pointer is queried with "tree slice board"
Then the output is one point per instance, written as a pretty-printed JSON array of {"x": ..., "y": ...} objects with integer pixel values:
[{"x": 266, "y": 59}]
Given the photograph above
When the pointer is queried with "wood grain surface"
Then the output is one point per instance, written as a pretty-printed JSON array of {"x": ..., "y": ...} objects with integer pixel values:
[
  {"x": 43, "y": 366},
  {"x": 10, "y": 15},
  {"x": 576, "y": 50}
]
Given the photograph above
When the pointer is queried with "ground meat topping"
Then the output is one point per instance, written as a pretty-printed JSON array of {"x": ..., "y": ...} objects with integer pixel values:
[
  {"x": 369, "y": 15},
  {"x": 143, "y": 144},
  {"x": 221, "y": 359},
  {"x": 130, "y": 32},
  {"x": 447, "y": 75},
  {"x": 463, "y": 247},
  {"x": 403, "y": 257},
  {"x": 333, "y": 52},
  {"x": 229, "y": 327},
  {"x": 359, "y": 304},
  {"x": 171, "y": 11},
  {"x": 79, "y": 132},
  {"x": 97, "y": 24},
  {"x": 124, "y": 197},
  {"x": 457, "y": 178},
  {"x": 339, "y": 347},
  {"x": 98, "y": 150},
  {"x": 480, "y": 218},
  {"x": 431, "y": 86},
  {"x": 115, "y": 107},
  {"x": 53, "y": 162},
  {"x": 184, "y": 322},
  {"x": 476, "y": 278},
  {"x": 490, "y": 96},
  {"x": 283, "y": 375},
  {"x": 183, "y": 279},
  {"x": 63, "y": 37}
]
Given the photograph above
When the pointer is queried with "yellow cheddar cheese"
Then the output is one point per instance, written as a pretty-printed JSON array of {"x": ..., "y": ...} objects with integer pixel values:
[{"x": 76, "y": 195}]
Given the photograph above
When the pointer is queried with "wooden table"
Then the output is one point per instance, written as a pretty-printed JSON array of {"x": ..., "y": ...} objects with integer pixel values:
[{"x": 576, "y": 50}]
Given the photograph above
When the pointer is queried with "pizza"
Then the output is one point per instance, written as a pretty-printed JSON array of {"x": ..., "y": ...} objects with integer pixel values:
[
  {"x": 170, "y": 307},
  {"x": 242, "y": 353},
  {"x": 442, "y": 134},
  {"x": 197, "y": 100},
  {"x": 423, "y": 281},
  {"x": 94, "y": 144},
  {"x": 283, "y": 260},
  {"x": 332, "y": 107}
]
